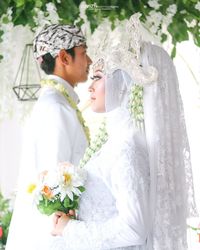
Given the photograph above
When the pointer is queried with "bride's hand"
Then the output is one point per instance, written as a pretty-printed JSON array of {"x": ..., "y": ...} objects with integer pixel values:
[{"x": 60, "y": 221}]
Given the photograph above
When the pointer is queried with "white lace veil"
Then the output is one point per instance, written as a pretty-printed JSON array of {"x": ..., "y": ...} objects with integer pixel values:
[
  {"x": 172, "y": 194},
  {"x": 171, "y": 185}
]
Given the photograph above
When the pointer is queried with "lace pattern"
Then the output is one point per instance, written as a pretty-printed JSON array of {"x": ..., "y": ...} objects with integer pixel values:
[
  {"x": 173, "y": 196},
  {"x": 113, "y": 210}
]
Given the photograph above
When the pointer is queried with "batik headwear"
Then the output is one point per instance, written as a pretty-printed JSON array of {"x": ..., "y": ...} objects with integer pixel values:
[{"x": 55, "y": 37}]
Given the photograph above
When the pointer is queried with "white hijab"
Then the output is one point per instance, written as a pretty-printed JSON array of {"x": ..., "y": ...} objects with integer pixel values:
[{"x": 171, "y": 185}]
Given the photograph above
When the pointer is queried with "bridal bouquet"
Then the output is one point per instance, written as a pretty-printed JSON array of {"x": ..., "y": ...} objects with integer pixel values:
[{"x": 58, "y": 190}]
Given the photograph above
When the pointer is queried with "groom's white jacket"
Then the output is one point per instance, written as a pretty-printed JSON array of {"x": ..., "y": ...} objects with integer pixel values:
[{"x": 53, "y": 135}]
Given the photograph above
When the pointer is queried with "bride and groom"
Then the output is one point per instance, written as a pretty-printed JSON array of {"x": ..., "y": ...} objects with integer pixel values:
[{"x": 136, "y": 190}]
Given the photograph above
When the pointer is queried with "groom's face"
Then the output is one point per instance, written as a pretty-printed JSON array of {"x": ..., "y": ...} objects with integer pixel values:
[{"x": 79, "y": 64}]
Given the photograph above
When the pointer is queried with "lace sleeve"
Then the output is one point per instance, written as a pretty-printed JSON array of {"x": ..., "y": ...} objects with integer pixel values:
[{"x": 129, "y": 185}]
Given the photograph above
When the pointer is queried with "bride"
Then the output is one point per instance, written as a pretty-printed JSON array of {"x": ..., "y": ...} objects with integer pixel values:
[
  {"x": 114, "y": 208},
  {"x": 139, "y": 186}
]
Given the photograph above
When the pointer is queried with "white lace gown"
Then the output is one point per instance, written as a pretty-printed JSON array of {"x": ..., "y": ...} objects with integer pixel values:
[{"x": 113, "y": 210}]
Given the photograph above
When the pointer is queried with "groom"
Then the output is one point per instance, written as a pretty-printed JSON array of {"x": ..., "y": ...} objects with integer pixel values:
[
  {"x": 61, "y": 52},
  {"x": 55, "y": 132}
]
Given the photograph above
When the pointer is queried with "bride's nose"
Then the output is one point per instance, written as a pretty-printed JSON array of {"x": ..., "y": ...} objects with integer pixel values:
[{"x": 91, "y": 88}]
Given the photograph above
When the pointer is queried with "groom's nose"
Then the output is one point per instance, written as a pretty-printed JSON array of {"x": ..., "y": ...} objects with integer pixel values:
[{"x": 89, "y": 60}]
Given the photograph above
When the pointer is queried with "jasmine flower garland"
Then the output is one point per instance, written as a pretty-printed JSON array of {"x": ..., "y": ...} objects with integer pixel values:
[
  {"x": 136, "y": 103},
  {"x": 63, "y": 91},
  {"x": 95, "y": 144},
  {"x": 136, "y": 110}
]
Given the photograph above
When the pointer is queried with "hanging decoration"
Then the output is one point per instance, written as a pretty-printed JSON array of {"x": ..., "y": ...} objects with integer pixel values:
[{"x": 26, "y": 87}]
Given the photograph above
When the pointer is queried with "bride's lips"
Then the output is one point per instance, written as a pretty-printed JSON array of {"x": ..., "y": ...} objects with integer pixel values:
[{"x": 92, "y": 98}]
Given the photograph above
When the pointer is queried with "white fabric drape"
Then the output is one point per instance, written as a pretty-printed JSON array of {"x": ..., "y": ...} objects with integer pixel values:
[{"x": 171, "y": 194}]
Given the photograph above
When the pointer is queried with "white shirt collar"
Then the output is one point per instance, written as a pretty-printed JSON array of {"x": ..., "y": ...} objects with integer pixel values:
[{"x": 67, "y": 86}]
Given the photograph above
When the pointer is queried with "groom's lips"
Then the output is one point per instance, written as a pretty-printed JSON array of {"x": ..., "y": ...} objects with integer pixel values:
[{"x": 88, "y": 70}]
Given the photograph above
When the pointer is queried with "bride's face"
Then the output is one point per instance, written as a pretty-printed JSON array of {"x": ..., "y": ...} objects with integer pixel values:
[{"x": 97, "y": 92}]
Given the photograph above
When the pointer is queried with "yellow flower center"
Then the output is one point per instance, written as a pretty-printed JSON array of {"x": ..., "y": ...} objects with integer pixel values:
[
  {"x": 31, "y": 188},
  {"x": 67, "y": 178}
]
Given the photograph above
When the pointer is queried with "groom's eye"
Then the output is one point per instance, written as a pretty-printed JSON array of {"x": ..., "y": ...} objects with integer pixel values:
[{"x": 95, "y": 77}]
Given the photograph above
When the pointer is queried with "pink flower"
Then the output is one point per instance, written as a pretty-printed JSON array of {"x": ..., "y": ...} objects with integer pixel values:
[{"x": 1, "y": 232}]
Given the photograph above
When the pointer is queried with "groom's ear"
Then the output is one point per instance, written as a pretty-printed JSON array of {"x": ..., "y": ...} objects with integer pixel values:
[{"x": 64, "y": 57}]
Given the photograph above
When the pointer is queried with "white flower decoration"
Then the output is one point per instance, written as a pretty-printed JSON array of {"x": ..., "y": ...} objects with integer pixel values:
[
  {"x": 197, "y": 6},
  {"x": 154, "y": 4},
  {"x": 70, "y": 179}
]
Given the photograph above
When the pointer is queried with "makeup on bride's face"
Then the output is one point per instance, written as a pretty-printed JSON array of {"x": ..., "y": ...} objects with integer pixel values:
[{"x": 97, "y": 92}]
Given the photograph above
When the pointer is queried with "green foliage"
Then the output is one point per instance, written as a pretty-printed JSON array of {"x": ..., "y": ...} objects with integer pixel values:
[
  {"x": 49, "y": 207},
  {"x": 68, "y": 11},
  {"x": 82, "y": 189},
  {"x": 5, "y": 218}
]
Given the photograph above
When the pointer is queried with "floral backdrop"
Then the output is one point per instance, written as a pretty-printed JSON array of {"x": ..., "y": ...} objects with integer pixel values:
[{"x": 167, "y": 21}]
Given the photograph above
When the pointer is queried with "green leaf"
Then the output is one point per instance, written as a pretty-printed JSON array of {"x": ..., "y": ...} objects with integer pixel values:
[
  {"x": 4, "y": 4},
  {"x": 4, "y": 203},
  {"x": 49, "y": 207},
  {"x": 75, "y": 205},
  {"x": 5, "y": 20},
  {"x": 163, "y": 38},
  {"x": 80, "y": 23},
  {"x": 20, "y": 3},
  {"x": 68, "y": 11},
  {"x": 178, "y": 30},
  {"x": 173, "y": 53},
  {"x": 66, "y": 202},
  {"x": 38, "y": 3},
  {"x": 82, "y": 189},
  {"x": 196, "y": 37},
  {"x": 5, "y": 217}
]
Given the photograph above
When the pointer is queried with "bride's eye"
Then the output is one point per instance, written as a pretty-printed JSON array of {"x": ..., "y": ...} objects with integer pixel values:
[{"x": 95, "y": 77}]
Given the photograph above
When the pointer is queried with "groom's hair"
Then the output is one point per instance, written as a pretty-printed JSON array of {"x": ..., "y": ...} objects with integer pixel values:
[{"x": 48, "y": 62}]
